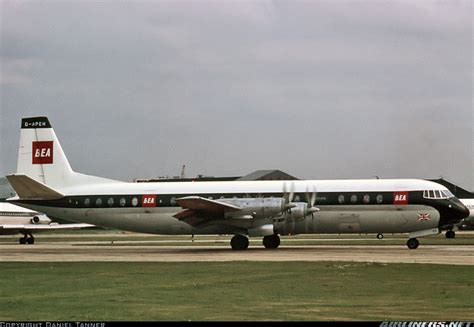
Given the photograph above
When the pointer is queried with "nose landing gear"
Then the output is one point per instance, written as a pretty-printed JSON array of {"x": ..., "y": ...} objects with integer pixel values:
[{"x": 450, "y": 234}]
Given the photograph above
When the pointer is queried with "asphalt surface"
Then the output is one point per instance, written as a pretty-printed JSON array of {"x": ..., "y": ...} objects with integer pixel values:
[{"x": 77, "y": 251}]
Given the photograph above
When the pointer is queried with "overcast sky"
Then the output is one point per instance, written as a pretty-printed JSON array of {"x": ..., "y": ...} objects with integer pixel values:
[{"x": 318, "y": 89}]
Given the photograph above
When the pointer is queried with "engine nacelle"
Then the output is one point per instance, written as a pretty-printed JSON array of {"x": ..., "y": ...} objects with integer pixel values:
[
  {"x": 264, "y": 230},
  {"x": 298, "y": 212},
  {"x": 42, "y": 219},
  {"x": 255, "y": 207}
]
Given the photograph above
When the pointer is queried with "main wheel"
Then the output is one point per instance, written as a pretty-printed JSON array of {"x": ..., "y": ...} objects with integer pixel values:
[
  {"x": 412, "y": 243},
  {"x": 271, "y": 241},
  {"x": 450, "y": 234},
  {"x": 379, "y": 236},
  {"x": 239, "y": 242},
  {"x": 30, "y": 240},
  {"x": 23, "y": 240}
]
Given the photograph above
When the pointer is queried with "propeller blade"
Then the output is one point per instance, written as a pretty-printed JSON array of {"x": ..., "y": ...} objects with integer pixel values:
[{"x": 292, "y": 192}]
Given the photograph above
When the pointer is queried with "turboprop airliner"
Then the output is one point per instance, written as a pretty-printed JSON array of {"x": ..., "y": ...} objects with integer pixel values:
[
  {"x": 45, "y": 182},
  {"x": 16, "y": 220}
]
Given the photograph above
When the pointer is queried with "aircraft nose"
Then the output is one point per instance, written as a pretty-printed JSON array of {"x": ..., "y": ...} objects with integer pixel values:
[{"x": 459, "y": 208}]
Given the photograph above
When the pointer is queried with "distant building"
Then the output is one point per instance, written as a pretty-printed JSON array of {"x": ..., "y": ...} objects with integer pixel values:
[
  {"x": 267, "y": 175},
  {"x": 259, "y": 175}
]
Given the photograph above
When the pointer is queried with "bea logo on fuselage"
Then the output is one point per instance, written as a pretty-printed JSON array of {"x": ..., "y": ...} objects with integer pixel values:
[
  {"x": 42, "y": 152},
  {"x": 149, "y": 201},
  {"x": 400, "y": 198}
]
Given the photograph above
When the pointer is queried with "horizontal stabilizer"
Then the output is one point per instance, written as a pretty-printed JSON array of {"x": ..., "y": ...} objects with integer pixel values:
[{"x": 29, "y": 189}]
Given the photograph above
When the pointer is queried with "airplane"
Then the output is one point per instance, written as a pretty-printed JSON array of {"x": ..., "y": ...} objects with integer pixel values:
[
  {"x": 15, "y": 220},
  {"x": 45, "y": 182}
]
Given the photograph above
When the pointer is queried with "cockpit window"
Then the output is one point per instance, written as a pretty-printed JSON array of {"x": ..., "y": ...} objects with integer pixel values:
[
  {"x": 448, "y": 193},
  {"x": 437, "y": 194}
]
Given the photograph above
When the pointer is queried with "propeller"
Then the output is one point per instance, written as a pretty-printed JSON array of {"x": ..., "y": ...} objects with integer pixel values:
[
  {"x": 311, "y": 200},
  {"x": 288, "y": 197}
]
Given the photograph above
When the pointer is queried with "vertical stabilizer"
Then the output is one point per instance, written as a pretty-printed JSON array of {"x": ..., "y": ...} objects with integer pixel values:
[
  {"x": 40, "y": 155},
  {"x": 42, "y": 158}
]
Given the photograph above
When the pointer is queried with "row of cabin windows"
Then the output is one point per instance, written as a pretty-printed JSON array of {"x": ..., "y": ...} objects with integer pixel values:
[
  {"x": 123, "y": 202},
  {"x": 366, "y": 199},
  {"x": 428, "y": 194},
  {"x": 110, "y": 202}
]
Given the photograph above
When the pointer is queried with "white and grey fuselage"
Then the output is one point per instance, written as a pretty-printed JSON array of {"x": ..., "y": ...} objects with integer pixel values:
[{"x": 345, "y": 206}]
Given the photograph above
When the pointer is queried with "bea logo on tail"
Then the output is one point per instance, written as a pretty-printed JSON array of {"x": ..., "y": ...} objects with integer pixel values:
[{"x": 42, "y": 152}]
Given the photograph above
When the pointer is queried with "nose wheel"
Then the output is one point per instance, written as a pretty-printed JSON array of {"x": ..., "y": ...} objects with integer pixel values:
[{"x": 450, "y": 234}]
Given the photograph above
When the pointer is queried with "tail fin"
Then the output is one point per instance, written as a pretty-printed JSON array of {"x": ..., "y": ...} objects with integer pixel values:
[
  {"x": 40, "y": 155},
  {"x": 42, "y": 158}
]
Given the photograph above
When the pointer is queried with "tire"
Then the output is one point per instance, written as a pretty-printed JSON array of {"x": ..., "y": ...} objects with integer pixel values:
[
  {"x": 239, "y": 242},
  {"x": 380, "y": 236},
  {"x": 413, "y": 243},
  {"x": 450, "y": 234},
  {"x": 271, "y": 241},
  {"x": 30, "y": 240}
]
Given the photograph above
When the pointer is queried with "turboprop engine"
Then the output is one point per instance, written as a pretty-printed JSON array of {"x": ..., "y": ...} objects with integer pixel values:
[
  {"x": 299, "y": 211},
  {"x": 255, "y": 207}
]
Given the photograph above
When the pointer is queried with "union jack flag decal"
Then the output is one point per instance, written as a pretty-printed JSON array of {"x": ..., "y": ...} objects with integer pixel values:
[{"x": 424, "y": 216}]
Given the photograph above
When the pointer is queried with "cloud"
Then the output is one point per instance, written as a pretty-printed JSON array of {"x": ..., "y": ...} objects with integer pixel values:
[{"x": 321, "y": 89}]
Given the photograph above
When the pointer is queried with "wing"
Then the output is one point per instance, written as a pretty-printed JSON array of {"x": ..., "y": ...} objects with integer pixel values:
[
  {"x": 36, "y": 227},
  {"x": 200, "y": 210}
]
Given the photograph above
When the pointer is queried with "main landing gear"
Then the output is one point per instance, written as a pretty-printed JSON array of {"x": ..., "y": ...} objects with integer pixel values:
[
  {"x": 271, "y": 241},
  {"x": 450, "y": 234},
  {"x": 27, "y": 239},
  {"x": 240, "y": 242},
  {"x": 413, "y": 243}
]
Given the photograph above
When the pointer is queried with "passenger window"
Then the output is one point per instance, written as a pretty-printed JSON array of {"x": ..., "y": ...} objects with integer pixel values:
[
  {"x": 110, "y": 203},
  {"x": 366, "y": 199},
  {"x": 98, "y": 202},
  {"x": 87, "y": 202},
  {"x": 354, "y": 198},
  {"x": 134, "y": 202},
  {"x": 341, "y": 199},
  {"x": 123, "y": 202},
  {"x": 379, "y": 198}
]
